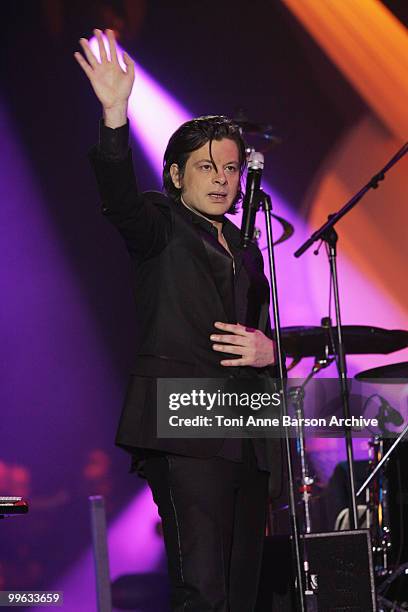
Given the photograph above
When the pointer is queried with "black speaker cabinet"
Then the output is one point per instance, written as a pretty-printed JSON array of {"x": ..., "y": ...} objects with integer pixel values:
[{"x": 341, "y": 562}]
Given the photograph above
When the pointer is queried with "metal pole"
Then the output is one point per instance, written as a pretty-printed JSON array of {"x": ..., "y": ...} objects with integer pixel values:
[
  {"x": 100, "y": 553},
  {"x": 331, "y": 239},
  {"x": 292, "y": 503}
]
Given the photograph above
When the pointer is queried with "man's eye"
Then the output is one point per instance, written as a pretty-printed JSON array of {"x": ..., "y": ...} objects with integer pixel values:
[
  {"x": 231, "y": 169},
  {"x": 205, "y": 167}
]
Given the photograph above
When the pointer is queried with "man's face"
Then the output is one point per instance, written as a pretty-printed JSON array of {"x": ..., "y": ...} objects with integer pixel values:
[{"x": 207, "y": 189}]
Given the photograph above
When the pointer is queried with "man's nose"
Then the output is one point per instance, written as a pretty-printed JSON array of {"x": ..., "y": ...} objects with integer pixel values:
[{"x": 220, "y": 177}]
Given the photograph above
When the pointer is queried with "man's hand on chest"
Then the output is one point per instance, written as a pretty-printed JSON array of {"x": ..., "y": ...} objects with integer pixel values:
[{"x": 250, "y": 345}]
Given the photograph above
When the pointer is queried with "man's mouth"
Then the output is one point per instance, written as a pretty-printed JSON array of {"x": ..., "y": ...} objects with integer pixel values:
[{"x": 216, "y": 195}]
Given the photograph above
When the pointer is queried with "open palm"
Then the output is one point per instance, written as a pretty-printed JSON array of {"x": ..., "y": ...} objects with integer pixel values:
[{"x": 112, "y": 84}]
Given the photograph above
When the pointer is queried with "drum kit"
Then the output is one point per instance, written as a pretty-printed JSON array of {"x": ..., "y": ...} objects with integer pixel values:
[
  {"x": 317, "y": 342},
  {"x": 327, "y": 343},
  {"x": 320, "y": 342}
]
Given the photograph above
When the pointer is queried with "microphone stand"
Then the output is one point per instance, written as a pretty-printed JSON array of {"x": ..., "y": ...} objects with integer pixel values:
[
  {"x": 297, "y": 395},
  {"x": 380, "y": 464},
  {"x": 302, "y": 579},
  {"x": 329, "y": 235}
]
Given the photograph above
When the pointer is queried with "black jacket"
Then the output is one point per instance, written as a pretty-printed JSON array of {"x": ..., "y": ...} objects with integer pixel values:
[{"x": 184, "y": 282}]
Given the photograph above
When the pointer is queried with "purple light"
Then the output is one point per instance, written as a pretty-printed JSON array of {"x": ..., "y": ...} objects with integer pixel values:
[
  {"x": 134, "y": 543},
  {"x": 134, "y": 547},
  {"x": 153, "y": 113},
  {"x": 303, "y": 284},
  {"x": 54, "y": 360}
]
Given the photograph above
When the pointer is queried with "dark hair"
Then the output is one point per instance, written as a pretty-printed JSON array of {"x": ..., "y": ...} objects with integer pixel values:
[{"x": 192, "y": 135}]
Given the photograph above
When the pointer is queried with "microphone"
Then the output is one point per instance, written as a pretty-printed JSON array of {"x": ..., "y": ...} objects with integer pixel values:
[
  {"x": 326, "y": 323},
  {"x": 388, "y": 414},
  {"x": 249, "y": 205}
]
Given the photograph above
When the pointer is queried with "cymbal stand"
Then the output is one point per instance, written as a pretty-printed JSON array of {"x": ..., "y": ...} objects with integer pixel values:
[
  {"x": 380, "y": 464},
  {"x": 378, "y": 512},
  {"x": 297, "y": 395},
  {"x": 327, "y": 233}
]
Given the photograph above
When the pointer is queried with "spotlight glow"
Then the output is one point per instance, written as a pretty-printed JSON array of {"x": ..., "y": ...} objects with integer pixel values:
[{"x": 303, "y": 284}]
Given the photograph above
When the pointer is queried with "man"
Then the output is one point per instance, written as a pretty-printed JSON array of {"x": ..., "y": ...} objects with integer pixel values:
[{"x": 193, "y": 283}]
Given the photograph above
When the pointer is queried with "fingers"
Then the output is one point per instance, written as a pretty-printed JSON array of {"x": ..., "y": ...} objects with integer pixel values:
[
  {"x": 130, "y": 65},
  {"x": 238, "y": 340},
  {"x": 93, "y": 62},
  {"x": 234, "y": 328},
  {"x": 112, "y": 45},
  {"x": 88, "y": 53},
  {"x": 228, "y": 348},
  {"x": 84, "y": 64},
  {"x": 234, "y": 362},
  {"x": 101, "y": 45}
]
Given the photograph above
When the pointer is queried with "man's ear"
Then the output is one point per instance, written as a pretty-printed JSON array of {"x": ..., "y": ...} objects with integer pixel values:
[{"x": 175, "y": 175}]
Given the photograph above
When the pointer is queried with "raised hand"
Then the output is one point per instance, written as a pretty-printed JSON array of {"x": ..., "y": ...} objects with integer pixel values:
[{"x": 111, "y": 84}]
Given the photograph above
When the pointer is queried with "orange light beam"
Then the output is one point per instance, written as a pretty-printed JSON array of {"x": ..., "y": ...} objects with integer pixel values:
[{"x": 369, "y": 46}]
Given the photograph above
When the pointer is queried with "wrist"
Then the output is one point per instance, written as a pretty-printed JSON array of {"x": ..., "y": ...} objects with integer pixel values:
[
  {"x": 115, "y": 116},
  {"x": 273, "y": 356}
]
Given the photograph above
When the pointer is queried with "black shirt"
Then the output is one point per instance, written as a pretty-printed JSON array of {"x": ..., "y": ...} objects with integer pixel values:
[{"x": 114, "y": 146}]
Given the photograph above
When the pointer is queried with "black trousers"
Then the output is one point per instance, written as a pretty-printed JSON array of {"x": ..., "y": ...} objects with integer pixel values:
[{"x": 213, "y": 514}]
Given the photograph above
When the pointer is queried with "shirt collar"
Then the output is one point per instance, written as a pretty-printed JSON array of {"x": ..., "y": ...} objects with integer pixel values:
[
  {"x": 199, "y": 218},
  {"x": 229, "y": 229}
]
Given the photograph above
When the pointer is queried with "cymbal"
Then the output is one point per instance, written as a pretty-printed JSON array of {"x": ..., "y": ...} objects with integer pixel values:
[
  {"x": 265, "y": 130},
  {"x": 391, "y": 371},
  {"x": 287, "y": 231},
  {"x": 261, "y": 136},
  {"x": 309, "y": 341}
]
